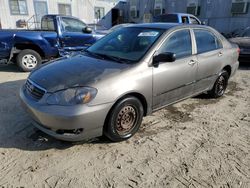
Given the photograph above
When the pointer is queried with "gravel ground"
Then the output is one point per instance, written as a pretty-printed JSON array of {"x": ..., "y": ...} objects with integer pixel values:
[{"x": 199, "y": 142}]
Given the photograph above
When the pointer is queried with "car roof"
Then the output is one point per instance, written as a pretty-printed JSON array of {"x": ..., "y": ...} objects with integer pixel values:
[
  {"x": 167, "y": 26},
  {"x": 183, "y": 14},
  {"x": 60, "y": 15},
  {"x": 176, "y": 13},
  {"x": 155, "y": 25}
]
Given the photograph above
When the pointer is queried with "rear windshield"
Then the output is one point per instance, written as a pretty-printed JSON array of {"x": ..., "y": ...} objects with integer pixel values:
[
  {"x": 171, "y": 18},
  {"x": 47, "y": 24}
]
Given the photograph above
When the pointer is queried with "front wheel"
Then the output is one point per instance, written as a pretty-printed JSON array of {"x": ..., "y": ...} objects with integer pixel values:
[
  {"x": 27, "y": 60},
  {"x": 124, "y": 119},
  {"x": 220, "y": 85}
]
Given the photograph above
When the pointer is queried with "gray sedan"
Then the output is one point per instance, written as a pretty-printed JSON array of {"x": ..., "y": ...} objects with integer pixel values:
[{"x": 128, "y": 74}]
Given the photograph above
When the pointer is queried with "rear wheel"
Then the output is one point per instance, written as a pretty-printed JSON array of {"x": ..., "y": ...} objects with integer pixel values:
[
  {"x": 220, "y": 85},
  {"x": 124, "y": 119},
  {"x": 27, "y": 60}
]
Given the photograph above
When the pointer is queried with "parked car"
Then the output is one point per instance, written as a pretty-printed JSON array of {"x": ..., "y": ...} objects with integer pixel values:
[
  {"x": 58, "y": 36},
  {"x": 177, "y": 18},
  {"x": 243, "y": 41},
  {"x": 121, "y": 78}
]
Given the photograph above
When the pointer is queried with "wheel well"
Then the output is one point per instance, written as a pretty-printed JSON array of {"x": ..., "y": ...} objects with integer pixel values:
[
  {"x": 228, "y": 69},
  {"x": 139, "y": 96},
  {"x": 31, "y": 47}
]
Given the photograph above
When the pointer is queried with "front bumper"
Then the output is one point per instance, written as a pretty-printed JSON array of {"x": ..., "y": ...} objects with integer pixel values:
[{"x": 69, "y": 123}]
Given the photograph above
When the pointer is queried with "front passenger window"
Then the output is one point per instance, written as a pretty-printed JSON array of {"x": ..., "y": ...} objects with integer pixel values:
[{"x": 178, "y": 43}]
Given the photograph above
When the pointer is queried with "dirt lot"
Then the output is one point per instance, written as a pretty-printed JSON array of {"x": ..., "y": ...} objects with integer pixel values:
[{"x": 196, "y": 143}]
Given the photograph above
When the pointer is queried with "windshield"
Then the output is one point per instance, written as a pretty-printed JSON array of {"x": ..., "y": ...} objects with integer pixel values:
[
  {"x": 246, "y": 33},
  {"x": 128, "y": 43}
]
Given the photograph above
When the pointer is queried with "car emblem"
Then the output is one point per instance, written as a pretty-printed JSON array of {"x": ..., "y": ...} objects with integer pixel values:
[{"x": 31, "y": 87}]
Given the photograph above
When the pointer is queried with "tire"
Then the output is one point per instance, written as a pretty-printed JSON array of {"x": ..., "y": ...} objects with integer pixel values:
[
  {"x": 220, "y": 85},
  {"x": 27, "y": 60},
  {"x": 124, "y": 119}
]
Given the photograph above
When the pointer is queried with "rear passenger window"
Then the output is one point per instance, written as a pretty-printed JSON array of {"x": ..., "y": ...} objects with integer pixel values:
[
  {"x": 48, "y": 24},
  {"x": 178, "y": 43},
  {"x": 206, "y": 41},
  {"x": 184, "y": 19}
]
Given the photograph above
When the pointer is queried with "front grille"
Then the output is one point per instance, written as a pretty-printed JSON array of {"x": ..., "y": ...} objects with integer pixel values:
[{"x": 34, "y": 90}]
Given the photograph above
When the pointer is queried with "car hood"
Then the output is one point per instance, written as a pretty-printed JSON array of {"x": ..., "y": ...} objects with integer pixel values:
[
  {"x": 75, "y": 71},
  {"x": 241, "y": 41},
  {"x": 102, "y": 32}
]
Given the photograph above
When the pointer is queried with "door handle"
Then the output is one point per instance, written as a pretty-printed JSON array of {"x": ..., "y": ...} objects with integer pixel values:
[
  {"x": 192, "y": 62},
  {"x": 220, "y": 54},
  {"x": 67, "y": 37}
]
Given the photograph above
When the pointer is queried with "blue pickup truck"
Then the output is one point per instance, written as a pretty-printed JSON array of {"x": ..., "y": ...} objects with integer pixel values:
[
  {"x": 59, "y": 35},
  {"x": 182, "y": 18}
]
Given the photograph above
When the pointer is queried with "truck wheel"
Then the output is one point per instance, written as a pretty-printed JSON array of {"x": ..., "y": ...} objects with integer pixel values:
[
  {"x": 124, "y": 119},
  {"x": 28, "y": 60}
]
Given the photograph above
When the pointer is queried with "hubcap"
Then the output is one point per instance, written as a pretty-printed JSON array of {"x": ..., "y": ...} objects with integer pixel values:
[
  {"x": 29, "y": 61},
  {"x": 221, "y": 85},
  {"x": 126, "y": 120}
]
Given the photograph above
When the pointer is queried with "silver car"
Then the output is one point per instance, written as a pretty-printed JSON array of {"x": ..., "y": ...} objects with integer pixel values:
[{"x": 128, "y": 74}]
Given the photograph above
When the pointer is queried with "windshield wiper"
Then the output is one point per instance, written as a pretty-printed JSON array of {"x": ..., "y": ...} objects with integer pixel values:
[
  {"x": 116, "y": 59},
  {"x": 110, "y": 57},
  {"x": 93, "y": 54}
]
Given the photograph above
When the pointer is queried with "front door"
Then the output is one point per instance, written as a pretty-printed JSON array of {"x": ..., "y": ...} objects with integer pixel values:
[
  {"x": 173, "y": 81},
  {"x": 41, "y": 9},
  {"x": 73, "y": 37}
]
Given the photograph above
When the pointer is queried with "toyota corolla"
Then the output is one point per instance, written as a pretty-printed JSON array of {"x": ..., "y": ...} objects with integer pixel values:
[{"x": 128, "y": 74}]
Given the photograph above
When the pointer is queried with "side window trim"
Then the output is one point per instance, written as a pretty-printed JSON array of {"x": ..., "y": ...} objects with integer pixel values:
[
  {"x": 194, "y": 46},
  {"x": 168, "y": 35}
]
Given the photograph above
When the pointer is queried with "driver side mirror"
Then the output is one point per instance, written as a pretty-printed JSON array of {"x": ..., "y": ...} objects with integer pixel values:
[
  {"x": 87, "y": 30},
  {"x": 163, "y": 57}
]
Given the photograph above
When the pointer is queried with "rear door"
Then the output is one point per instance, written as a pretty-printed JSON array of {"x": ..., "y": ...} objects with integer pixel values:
[
  {"x": 73, "y": 37},
  {"x": 174, "y": 81},
  {"x": 210, "y": 56}
]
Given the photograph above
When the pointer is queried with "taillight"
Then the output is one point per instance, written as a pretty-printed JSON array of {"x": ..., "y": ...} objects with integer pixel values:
[{"x": 238, "y": 50}]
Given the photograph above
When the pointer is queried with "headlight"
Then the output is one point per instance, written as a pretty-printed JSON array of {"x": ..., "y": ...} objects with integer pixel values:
[{"x": 72, "y": 96}]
